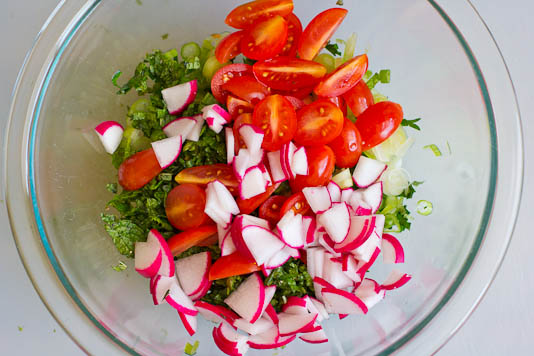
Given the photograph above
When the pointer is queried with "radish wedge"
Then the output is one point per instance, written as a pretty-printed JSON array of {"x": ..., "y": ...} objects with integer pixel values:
[
  {"x": 110, "y": 134},
  {"x": 190, "y": 323},
  {"x": 214, "y": 209},
  {"x": 216, "y": 117},
  {"x": 392, "y": 250},
  {"x": 286, "y": 157},
  {"x": 361, "y": 228},
  {"x": 232, "y": 340},
  {"x": 336, "y": 221},
  {"x": 290, "y": 324},
  {"x": 253, "y": 183},
  {"x": 248, "y": 299},
  {"x": 275, "y": 165},
  {"x": 230, "y": 144},
  {"x": 396, "y": 279},
  {"x": 179, "y": 127},
  {"x": 315, "y": 337},
  {"x": 290, "y": 229},
  {"x": 240, "y": 222},
  {"x": 261, "y": 243},
  {"x": 295, "y": 305},
  {"x": 270, "y": 339},
  {"x": 335, "y": 192},
  {"x": 167, "y": 258},
  {"x": 216, "y": 313},
  {"x": 338, "y": 301},
  {"x": 372, "y": 195},
  {"x": 278, "y": 259},
  {"x": 261, "y": 325},
  {"x": 227, "y": 245},
  {"x": 318, "y": 198},
  {"x": 334, "y": 275},
  {"x": 192, "y": 272},
  {"x": 345, "y": 195},
  {"x": 194, "y": 134},
  {"x": 148, "y": 256},
  {"x": 315, "y": 306},
  {"x": 224, "y": 197},
  {"x": 370, "y": 292},
  {"x": 365, "y": 252},
  {"x": 367, "y": 171},
  {"x": 269, "y": 294},
  {"x": 252, "y": 135},
  {"x": 271, "y": 314},
  {"x": 202, "y": 292},
  {"x": 160, "y": 287},
  {"x": 352, "y": 270},
  {"x": 179, "y": 96},
  {"x": 299, "y": 162},
  {"x": 180, "y": 301},
  {"x": 167, "y": 150}
]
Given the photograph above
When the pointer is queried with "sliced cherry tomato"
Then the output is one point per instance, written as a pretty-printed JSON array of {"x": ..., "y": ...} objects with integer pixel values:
[
  {"x": 192, "y": 237},
  {"x": 296, "y": 102},
  {"x": 223, "y": 75},
  {"x": 247, "y": 206},
  {"x": 229, "y": 47},
  {"x": 286, "y": 73},
  {"x": 321, "y": 161},
  {"x": 202, "y": 175},
  {"x": 270, "y": 209},
  {"x": 139, "y": 169},
  {"x": 298, "y": 203},
  {"x": 209, "y": 241},
  {"x": 294, "y": 31},
  {"x": 231, "y": 265},
  {"x": 247, "y": 14},
  {"x": 378, "y": 122},
  {"x": 265, "y": 39},
  {"x": 246, "y": 88},
  {"x": 238, "y": 106},
  {"x": 185, "y": 205},
  {"x": 319, "y": 31},
  {"x": 240, "y": 121},
  {"x": 347, "y": 146},
  {"x": 318, "y": 123},
  {"x": 359, "y": 98},
  {"x": 277, "y": 118},
  {"x": 301, "y": 93},
  {"x": 339, "y": 102},
  {"x": 343, "y": 78}
]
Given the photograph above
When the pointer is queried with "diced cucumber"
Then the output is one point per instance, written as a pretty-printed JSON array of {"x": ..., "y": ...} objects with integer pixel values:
[
  {"x": 211, "y": 66},
  {"x": 190, "y": 50}
]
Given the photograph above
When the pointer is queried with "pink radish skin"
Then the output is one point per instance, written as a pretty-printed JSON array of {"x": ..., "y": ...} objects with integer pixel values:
[
  {"x": 147, "y": 259},
  {"x": 370, "y": 293},
  {"x": 299, "y": 162},
  {"x": 270, "y": 339},
  {"x": 240, "y": 222},
  {"x": 342, "y": 316},
  {"x": 269, "y": 294},
  {"x": 315, "y": 337},
  {"x": 194, "y": 135},
  {"x": 318, "y": 285},
  {"x": 190, "y": 323},
  {"x": 110, "y": 134},
  {"x": 180, "y": 301},
  {"x": 396, "y": 279},
  {"x": 216, "y": 117},
  {"x": 335, "y": 192},
  {"x": 179, "y": 127},
  {"x": 326, "y": 242},
  {"x": 261, "y": 243},
  {"x": 252, "y": 136},
  {"x": 216, "y": 313},
  {"x": 290, "y": 324},
  {"x": 316, "y": 307},
  {"x": 278, "y": 259},
  {"x": 230, "y": 338},
  {"x": 202, "y": 292},
  {"x": 253, "y": 183},
  {"x": 392, "y": 251},
  {"x": 352, "y": 270},
  {"x": 230, "y": 145},
  {"x": 271, "y": 314},
  {"x": 318, "y": 198},
  {"x": 336, "y": 221},
  {"x": 224, "y": 197},
  {"x": 248, "y": 299},
  {"x": 167, "y": 259},
  {"x": 261, "y": 325},
  {"x": 360, "y": 228},
  {"x": 295, "y": 305},
  {"x": 346, "y": 194},
  {"x": 363, "y": 266},
  {"x": 192, "y": 272},
  {"x": 225, "y": 347},
  {"x": 266, "y": 175},
  {"x": 286, "y": 157},
  {"x": 290, "y": 231},
  {"x": 307, "y": 222},
  {"x": 266, "y": 271},
  {"x": 276, "y": 167},
  {"x": 167, "y": 150},
  {"x": 160, "y": 288},
  {"x": 179, "y": 96},
  {"x": 334, "y": 275},
  {"x": 367, "y": 171},
  {"x": 364, "y": 252},
  {"x": 338, "y": 301}
]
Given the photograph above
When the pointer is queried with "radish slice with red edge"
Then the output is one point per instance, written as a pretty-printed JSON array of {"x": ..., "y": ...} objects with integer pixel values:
[
  {"x": 290, "y": 324},
  {"x": 230, "y": 145},
  {"x": 345, "y": 195},
  {"x": 215, "y": 116},
  {"x": 179, "y": 127},
  {"x": 290, "y": 229},
  {"x": 318, "y": 198},
  {"x": 278, "y": 259},
  {"x": 270, "y": 339},
  {"x": 177, "y": 299},
  {"x": 335, "y": 192},
  {"x": 179, "y": 96},
  {"x": 275, "y": 165},
  {"x": 334, "y": 275},
  {"x": 227, "y": 246},
  {"x": 240, "y": 222},
  {"x": 286, "y": 157},
  {"x": 248, "y": 299},
  {"x": 194, "y": 134},
  {"x": 336, "y": 221},
  {"x": 372, "y": 196},
  {"x": 261, "y": 325},
  {"x": 190, "y": 323},
  {"x": 148, "y": 257},
  {"x": 308, "y": 223},
  {"x": 315, "y": 337},
  {"x": 232, "y": 339},
  {"x": 224, "y": 345},
  {"x": 367, "y": 171},
  {"x": 167, "y": 259},
  {"x": 160, "y": 287},
  {"x": 261, "y": 243},
  {"x": 352, "y": 269},
  {"x": 167, "y": 150},
  {"x": 315, "y": 306},
  {"x": 252, "y": 136},
  {"x": 360, "y": 229},
  {"x": 269, "y": 294},
  {"x": 224, "y": 197},
  {"x": 110, "y": 134},
  {"x": 266, "y": 175},
  {"x": 392, "y": 251},
  {"x": 299, "y": 162},
  {"x": 326, "y": 242},
  {"x": 214, "y": 209},
  {"x": 396, "y": 279},
  {"x": 310, "y": 261},
  {"x": 338, "y": 301},
  {"x": 192, "y": 272},
  {"x": 295, "y": 305},
  {"x": 253, "y": 183},
  {"x": 318, "y": 285},
  {"x": 370, "y": 292},
  {"x": 364, "y": 252},
  {"x": 202, "y": 292},
  {"x": 216, "y": 313},
  {"x": 270, "y": 314},
  {"x": 363, "y": 267}
]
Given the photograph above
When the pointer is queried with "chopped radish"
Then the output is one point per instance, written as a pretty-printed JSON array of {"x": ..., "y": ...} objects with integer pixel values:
[
  {"x": 271, "y": 314},
  {"x": 167, "y": 258},
  {"x": 180, "y": 301},
  {"x": 216, "y": 117},
  {"x": 338, "y": 301},
  {"x": 352, "y": 270},
  {"x": 148, "y": 256},
  {"x": 248, "y": 299},
  {"x": 392, "y": 250},
  {"x": 308, "y": 229},
  {"x": 194, "y": 134},
  {"x": 110, "y": 134},
  {"x": 336, "y": 221},
  {"x": 202, "y": 292},
  {"x": 326, "y": 242},
  {"x": 361, "y": 228},
  {"x": 318, "y": 198},
  {"x": 261, "y": 243},
  {"x": 290, "y": 324},
  {"x": 286, "y": 157},
  {"x": 160, "y": 287},
  {"x": 369, "y": 292},
  {"x": 279, "y": 258},
  {"x": 190, "y": 322},
  {"x": 372, "y": 196},
  {"x": 276, "y": 167},
  {"x": 346, "y": 194},
  {"x": 224, "y": 197},
  {"x": 335, "y": 192},
  {"x": 315, "y": 306},
  {"x": 318, "y": 285},
  {"x": 334, "y": 274},
  {"x": 269, "y": 294},
  {"x": 270, "y": 339},
  {"x": 192, "y": 272},
  {"x": 295, "y": 305},
  {"x": 364, "y": 252},
  {"x": 222, "y": 231},
  {"x": 179, "y": 96},
  {"x": 224, "y": 345},
  {"x": 179, "y": 127},
  {"x": 363, "y": 266},
  {"x": 214, "y": 209},
  {"x": 167, "y": 150},
  {"x": 367, "y": 171},
  {"x": 240, "y": 222},
  {"x": 310, "y": 261},
  {"x": 319, "y": 262},
  {"x": 216, "y": 313},
  {"x": 230, "y": 144},
  {"x": 396, "y": 279},
  {"x": 252, "y": 135},
  {"x": 261, "y": 325},
  {"x": 231, "y": 340},
  {"x": 314, "y": 337},
  {"x": 290, "y": 229},
  {"x": 228, "y": 246},
  {"x": 253, "y": 183},
  {"x": 246, "y": 159},
  {"x": 299, "y": 162},
  {"x": 266, "y": 175}
]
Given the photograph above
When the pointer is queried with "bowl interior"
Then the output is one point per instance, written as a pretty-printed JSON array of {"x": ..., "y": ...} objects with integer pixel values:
[{"x": 432, "y": 78}]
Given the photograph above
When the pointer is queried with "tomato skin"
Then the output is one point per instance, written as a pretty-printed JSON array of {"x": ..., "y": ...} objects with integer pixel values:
[
  {"x": 247, "y": 14},
  {"x": 247, "y": 206},
  {"x": 347, "y": 146},
  {"x": 359, "y": 98},
  {"x": 229, "y": 47},
  {"x": 339, "y": 102},
  {"x": 246, "y": 88},
  {"x": 223, "y": 75},
  {"x": 343, "y": 78},
  {"x": 301, "y": 93},
  {"x": 202, "y": 175},
  {"x": 296, "y": 102},
  {"x": 319, "y": 31},
  {"x": 318, "y": 123},
  {"x": 139, "y": 169},
  {"x": 286, "y": 73},
  {"x": 238, "y": 106},
  {"x": 242, "y": 119},
  {"x": 277, "y": 118},
  {"x": 321, "y": 162},
  {"x": 378, "y": 122},
  {"x": 231, "y": 265},
  {"x": 270, "y": 209},
  {"x": 184, "y": 206},
  {"x": 265, "y": 39},
  {"x": 298, "y": 203},
  {"x": 192, "y": 237},
  {"x": 294, "y": 31}
]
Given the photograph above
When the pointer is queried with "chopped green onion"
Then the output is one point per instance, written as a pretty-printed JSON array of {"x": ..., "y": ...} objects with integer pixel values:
[
  {"x": 121, "y": 266},
  {"x": 378, "y": 97},
  {"x": 191, "y": 349},
  {"x": 411, "y": 123},
  {"x": 165, "y": 177},
  {"x": 171, "y": 54},
  {"x": 190, "y": 50},
  {"x": 449, "y": 148},
  {"x": 116, "y": 76},
  {"x": 140, "y": 105},
  {"x": 434, "y": 149},
  {"x": 384, "y": 76},
  {"x": 350, "y": 47},
  {"x": 193, "y": 63},
  {"x": 211, "y": 67},
  {"x": 327, "y": 60},
  {"x": 424, "y": 207}
]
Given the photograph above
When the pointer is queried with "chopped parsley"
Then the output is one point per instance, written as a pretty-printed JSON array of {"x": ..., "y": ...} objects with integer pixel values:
[
  {"x": 383, "y": 76},
  {"x": 395, "y": 211},
  {"x": 333, "y": 48},
  {"x": 164, "y": 36},
  {"x": 121, "y": 266},
  {"x": 411, "y": 123},
  {"x": 124, "y": 233}
]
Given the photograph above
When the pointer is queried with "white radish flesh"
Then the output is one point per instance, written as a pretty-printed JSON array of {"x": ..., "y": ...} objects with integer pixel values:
[
  {"x": 110, "y": 134},
  {"x": 290, "y": 324},
  {"x": 261, "y": 243},
  {"x": 180, "y": 301},
  {"x": 336, "y": 221},
  {"x": 335, "y": 192},
  {"x": 346, "y": 194},
  {"x": 338, "y": 301},
  {"x": 192, "y": 272},
  {"x": 253, "y": 183},
  {"x": 228, "y": 246},
  {"x": 160, "y": 288},
  {"x": 190, "y": 323},
  {"x": 179, "y": 127},
  {"x": 224, "y": 197},
  {"x": 194, "y": 134},
  {"x": 278, "y": 259},
  {"x": 261, "y": 325},
  {"x": 252, "y": 136},
  {"x": 248, "y": 299},
  {"x": 215, "y": 116},
  {"x": 314, "y": 337},
  {"x": 396, "y": 279},
  {"x": 367, "y": 171},
  {"x": 318, "y": 198},
  {"x": 370, "y": 293},
  {"x": 230, "y": 145},
  {"x": 276, "y": 167},
  {"x": 179, "y": 96},
  {"x": 334, "y": 274},
  {"x": 214, "y": 209},
  {"x": 372, "y": 196},
  {"x": 315, "y": 306},
  {"x": 392, "y": 251},
  {"x": 167, "y": 150},
  {"x": 299, "y": 162},
  {"x": 290, "y": 229},
  {"x": 216, "y": 313}
]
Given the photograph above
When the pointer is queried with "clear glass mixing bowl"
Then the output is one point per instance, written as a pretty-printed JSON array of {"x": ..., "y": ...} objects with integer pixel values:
[{"x": 445, "y": 68}]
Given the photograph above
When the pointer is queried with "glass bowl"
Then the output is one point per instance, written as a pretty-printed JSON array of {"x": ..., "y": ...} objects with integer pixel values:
[{"x": 445, "y": 68}]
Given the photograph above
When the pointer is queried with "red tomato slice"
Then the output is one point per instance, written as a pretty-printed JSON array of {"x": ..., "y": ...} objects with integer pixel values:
[
  {"x": 298, "y": 203},
  {"x": 321, "y": 161},
  {"x": 347, "y": 146},
  {"x": 270, "y": 209},
  {"x": 343, "y": 78},
  {"x": 294, "y": 31},
  {"x": 319, "y": 31},
  {"x": 139, "y": 169},
  {"x": 247, "y": 206},
  {"x": 247, "y": 14},
  {"x": 238, "y": 106},
  {"x": 286, "y": 73},
  {"x": 277, "y": 118},
  {"x": 231, "y": 265},
  {"x": 302, "y": 93},
  {"x": 296, "y": 102},
  {"x": 192, "y": 237},
  {"x": 229, "y": 47},
  {"x": 378, "y": 122},
  {"x": 359, "y": 98},
  {"x": 265, "y": 39},
  {"x": 318, "y": 123},
  {"x": 246, "y": 88},
  {"x": 185, "y": 205},
  {"x": 223, "y": 75},
  {"x": 339, "y": 102},
  {"x": 242, "y": 119},
  {"x": 202, "y": 175}
]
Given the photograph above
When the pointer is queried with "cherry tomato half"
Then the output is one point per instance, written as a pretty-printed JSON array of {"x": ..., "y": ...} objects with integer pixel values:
[
  {"x": 192, "y": 237},
  {"x": 359, "y": 98},
  {"x": 270, "y": 209},
  {"x": 246, "y": 88},
  {"x": 347, "y": 146},
  {"x": 378, "y": 122},
  {"x": 229, "y": 47},
  {"x": 301, "y": 93},
  {"x": 185, "y": 205},
  {"x": 339, "y": 102},
  {"x": 319, "y": 31},
  {"x": 247, "y": 14},
  {"x": 296, "y": 102},
  {"x": 231, "y": 265},
  {"x": 223, "y": 75},
  {"x": 242, "y": 119},
  {"x": 247, "y": 206},
  {"x": 238, "y": 106},
  {"x": 321, "y": 161},
  {"x": 318, "y": 123},
  {"x": 294, "y": 31},
  {"x": 202, "y": 175},
  {"x": 343, "y": 78},
  {"x": 287, "y": 73},
  {"x": 139, "y": 169},
  {"x": 298, "y": 203},
  {"x": 277, "y": 118},
  {"x": 265, "y": 39}
]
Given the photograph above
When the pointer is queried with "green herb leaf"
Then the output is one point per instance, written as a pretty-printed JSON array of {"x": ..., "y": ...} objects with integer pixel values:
[
  {"x": 424, "y": 207},
  {"x": 116, "y": 76},
  {"x": 383, "y": 76},
  {"x": 333, "y": 48},
  {"x": 112, "y": 187},
  {"x": 124, "y": 233},
  {"x": 164, "y": 36},
  {"x": 434, "y": 149},
  {"x": 121, "y": 266},
  {"x": 411, "y": 123}
]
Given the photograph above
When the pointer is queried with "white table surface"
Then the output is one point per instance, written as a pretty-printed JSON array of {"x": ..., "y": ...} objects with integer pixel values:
[{"x": 502, "y": 324}]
